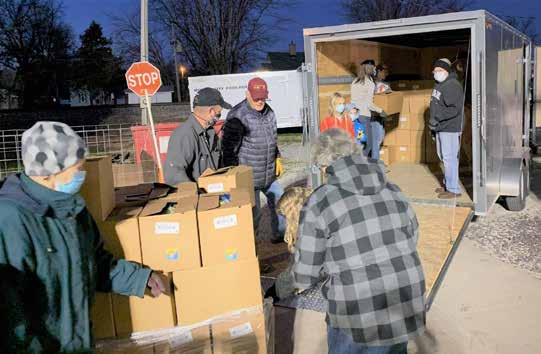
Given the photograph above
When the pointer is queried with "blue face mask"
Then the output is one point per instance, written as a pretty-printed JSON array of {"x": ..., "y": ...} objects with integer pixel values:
[
  {"x": 73, "y": 186},
  {"x": 340, "y": 108}
]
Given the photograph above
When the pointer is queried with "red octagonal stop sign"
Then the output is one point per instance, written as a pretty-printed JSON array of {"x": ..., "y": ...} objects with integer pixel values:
[{"x": 143, "y": 76}]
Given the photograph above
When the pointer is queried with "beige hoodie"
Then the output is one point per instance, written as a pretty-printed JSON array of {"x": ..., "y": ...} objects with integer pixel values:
[{"x": 362, "y": 94}]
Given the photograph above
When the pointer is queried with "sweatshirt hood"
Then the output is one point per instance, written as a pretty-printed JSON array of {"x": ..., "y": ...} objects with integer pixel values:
[{"x": 357, "y": 175}]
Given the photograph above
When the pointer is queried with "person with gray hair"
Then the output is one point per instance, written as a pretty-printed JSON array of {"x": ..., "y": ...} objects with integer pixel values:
[
  {"x": 52, "y": 259},
  {"x": 360, "y": 232}
]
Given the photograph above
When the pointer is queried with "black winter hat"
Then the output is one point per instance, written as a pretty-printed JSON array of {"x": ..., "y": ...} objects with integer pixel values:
[
  {"x": 369, "y": 62},
  {"x": 444, "y": 64}
]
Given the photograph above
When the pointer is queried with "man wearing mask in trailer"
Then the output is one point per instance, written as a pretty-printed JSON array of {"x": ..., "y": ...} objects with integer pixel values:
[
  {"x": 195, "y": 146},
  {"x": 52, "y": 259},
  {"x": 446, "y": 124}
]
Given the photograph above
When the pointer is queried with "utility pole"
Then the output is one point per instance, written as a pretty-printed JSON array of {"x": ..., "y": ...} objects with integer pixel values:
[
  {"x": 144, "y": 55},
  {"x": 174, "y": 44}
]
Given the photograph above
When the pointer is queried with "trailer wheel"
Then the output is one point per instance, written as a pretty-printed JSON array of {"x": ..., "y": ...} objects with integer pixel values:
[{"x": 518, "y": 203}]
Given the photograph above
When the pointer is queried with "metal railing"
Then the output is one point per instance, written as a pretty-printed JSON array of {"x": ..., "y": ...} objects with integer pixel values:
[{"x": 115, "y": 140}]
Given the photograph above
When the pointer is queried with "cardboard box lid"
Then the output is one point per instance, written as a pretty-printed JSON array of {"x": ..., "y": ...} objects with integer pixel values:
[
  {"x": 157, "y": 206},
  {"x": 123, "y": 213},
  {"x": 184, "y": 189},
  {"x": 231, "y": 170},
  {"x": 239, "y": 197}
]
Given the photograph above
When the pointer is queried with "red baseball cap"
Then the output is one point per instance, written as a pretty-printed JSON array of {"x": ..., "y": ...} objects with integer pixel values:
[{"x": 258, "y": 89}]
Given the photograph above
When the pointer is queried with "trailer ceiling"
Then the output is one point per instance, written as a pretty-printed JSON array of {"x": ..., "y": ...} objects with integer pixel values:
[{"x": 459, "y": 37}]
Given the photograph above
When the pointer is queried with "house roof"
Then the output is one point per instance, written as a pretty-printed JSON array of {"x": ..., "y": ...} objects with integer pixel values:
[{"x": 277, "y": 61}]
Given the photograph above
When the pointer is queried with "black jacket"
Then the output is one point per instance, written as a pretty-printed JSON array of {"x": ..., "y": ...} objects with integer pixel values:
[
  {"x": 250, "y": 138},
  {"x": 447, "y": 106}
]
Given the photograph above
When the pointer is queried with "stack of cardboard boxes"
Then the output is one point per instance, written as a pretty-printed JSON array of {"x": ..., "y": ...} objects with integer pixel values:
[
  {"x": 407, "y": 137},
  {"x": 203, "y": 243}
]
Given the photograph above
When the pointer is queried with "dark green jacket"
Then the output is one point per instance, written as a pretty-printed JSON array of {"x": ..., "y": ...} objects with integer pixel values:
[{"x": 52, "y": 262}]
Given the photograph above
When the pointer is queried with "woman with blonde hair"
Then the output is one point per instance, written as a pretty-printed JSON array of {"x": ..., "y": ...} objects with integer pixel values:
[
  {"x": 338, "y": 117},
  {"x": 310, "y": 331}
]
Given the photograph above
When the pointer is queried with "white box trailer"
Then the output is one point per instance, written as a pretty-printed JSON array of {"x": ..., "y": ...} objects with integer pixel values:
[
  {"x": 285, "y": 92},
  {"x": 498, "y": 86}
]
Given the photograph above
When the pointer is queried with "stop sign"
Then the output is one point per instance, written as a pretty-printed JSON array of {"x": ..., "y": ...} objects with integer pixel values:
[{"x": 143, "y": 76}]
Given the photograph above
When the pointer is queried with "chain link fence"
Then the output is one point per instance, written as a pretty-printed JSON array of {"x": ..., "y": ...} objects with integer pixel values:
[{"x": 115, "y": 140}]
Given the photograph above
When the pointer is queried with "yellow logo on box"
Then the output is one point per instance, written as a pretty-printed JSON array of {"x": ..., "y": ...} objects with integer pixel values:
[
  {"x": 172, "y": 254},
  {"x": 231, "y": 254}
]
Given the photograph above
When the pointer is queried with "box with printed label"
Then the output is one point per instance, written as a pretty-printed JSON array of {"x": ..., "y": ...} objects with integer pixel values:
[
  {"x": 228, "y": 178},
  {"x": 168, "y": 230},
  {"x": 207, "y": 292},
  {"x": 120, "y": 233},
  {"x": 133, "y": 314},
  {"x": 402, "y": 138},
  {"x": 98, "y": 189},
  {"x": 196, "y": 341},
  {"x": 390, "y": 102},
  {"x": 226, "y": 231},
  {"x": 247, "y": 335},
  {"x": 400, "y": 153},
  {"x": 103, "y": 324},
  {"x": 418, "y": 121},
  {"x": 140, "y": 194}
]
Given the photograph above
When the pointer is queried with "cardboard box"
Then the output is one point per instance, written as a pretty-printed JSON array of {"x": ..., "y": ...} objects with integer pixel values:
[
  {"x": 390, "y": 102},
  {"x": 98, "y": 189},
  {"x": 417, "y": 153},
  {"x": 207, "y": 292},
  {"x": 247, "y": 335},
  {"x": 120, "y": 233},
  {"x": 417, "y": 137},
  {"x": 228, "y": 178},
  {"x": 419, "y": 101},
  {"x": 400, "y": 153},
  {"x": 226, "y": 230},
  {"x": 384, "y": 155},
  {"x": 169, "y": 239},
  {"x": 404, "y": 122},
  {"x": 185, "y": 189},
  {"x": 140, "y": 194},
  {"x": 103, "y": 323},
  {"x": 403, "y": 138},
  {"x": 133, "y": 314},
  {"x": 127, "y": 174},
  {"x": 195, "y": 341},
  {"x": 418, "y": 121}
]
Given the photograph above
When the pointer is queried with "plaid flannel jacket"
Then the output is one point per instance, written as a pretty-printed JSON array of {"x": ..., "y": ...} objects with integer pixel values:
[{"x": 361, "y": 232}]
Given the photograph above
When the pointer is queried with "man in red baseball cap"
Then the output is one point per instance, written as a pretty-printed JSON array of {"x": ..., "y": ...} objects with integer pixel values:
[{"x": 250, "y": 138}]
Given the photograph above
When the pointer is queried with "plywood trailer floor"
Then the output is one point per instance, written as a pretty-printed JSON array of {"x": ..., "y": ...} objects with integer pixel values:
[{"x": 419, "y": 181}]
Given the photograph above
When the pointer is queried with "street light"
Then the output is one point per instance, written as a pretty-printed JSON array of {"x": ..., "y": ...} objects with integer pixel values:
[{"x": 182, "y": 69}]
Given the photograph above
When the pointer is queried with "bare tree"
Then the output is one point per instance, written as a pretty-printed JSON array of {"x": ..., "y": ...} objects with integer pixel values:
[
  {"x": 380, "y": 10},
  {"x": 126, "y": 40},
  {"x": 221, "y": 36},
  {"x": 35, "y": 42},
  {"x": 525, "y": 25}
]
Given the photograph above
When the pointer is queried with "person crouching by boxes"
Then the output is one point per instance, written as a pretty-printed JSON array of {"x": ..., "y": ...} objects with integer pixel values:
[
  {"x": 309, "y": 327},
  {"x": 51, "y": 250},
  {"x": 361, "y": 233}
]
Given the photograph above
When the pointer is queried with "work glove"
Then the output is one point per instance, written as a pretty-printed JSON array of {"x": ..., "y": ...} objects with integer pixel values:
[
  {"x": 279, "y": 167},
  {"x": 156, "y": 284}
]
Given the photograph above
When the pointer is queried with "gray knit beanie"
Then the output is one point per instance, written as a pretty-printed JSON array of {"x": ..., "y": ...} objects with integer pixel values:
[{"x": 51, "y": 147}]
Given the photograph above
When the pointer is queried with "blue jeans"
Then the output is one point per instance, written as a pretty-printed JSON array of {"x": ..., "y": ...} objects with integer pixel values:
[
  {"x": 341, "y": 343},
  {"x": 448, "y": 147},
  {"x": 365, "y": 121},
  {"x": 377, "y": 135},
  {"x": 278, "y": 222}
]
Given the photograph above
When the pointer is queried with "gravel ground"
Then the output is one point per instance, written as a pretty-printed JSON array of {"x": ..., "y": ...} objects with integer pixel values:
[{"x": 513, "y": 237}]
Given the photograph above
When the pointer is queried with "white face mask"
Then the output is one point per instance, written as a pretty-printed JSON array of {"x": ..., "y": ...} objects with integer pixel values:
[{"x": 440, "y": 76}]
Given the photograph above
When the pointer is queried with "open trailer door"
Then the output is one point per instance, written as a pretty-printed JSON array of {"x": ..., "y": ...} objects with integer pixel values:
[{"x": 409, "y": 47}]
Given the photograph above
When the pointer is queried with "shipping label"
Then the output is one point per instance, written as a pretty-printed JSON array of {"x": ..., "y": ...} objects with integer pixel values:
[
  {"x": 215, "y": 188},
  {"x": 167, "y": 228},
  {"x": 224, "y": 222},
  {"x": 179, "y": 340},
  {"x": 240, "y": 331}
]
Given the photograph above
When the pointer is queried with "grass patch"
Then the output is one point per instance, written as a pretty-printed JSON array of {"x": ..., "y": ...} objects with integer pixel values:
[{"x": 289, "y": 138}]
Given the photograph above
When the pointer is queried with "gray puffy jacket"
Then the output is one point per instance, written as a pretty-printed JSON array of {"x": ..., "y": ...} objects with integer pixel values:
[{"x": 250, "y": 138}]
